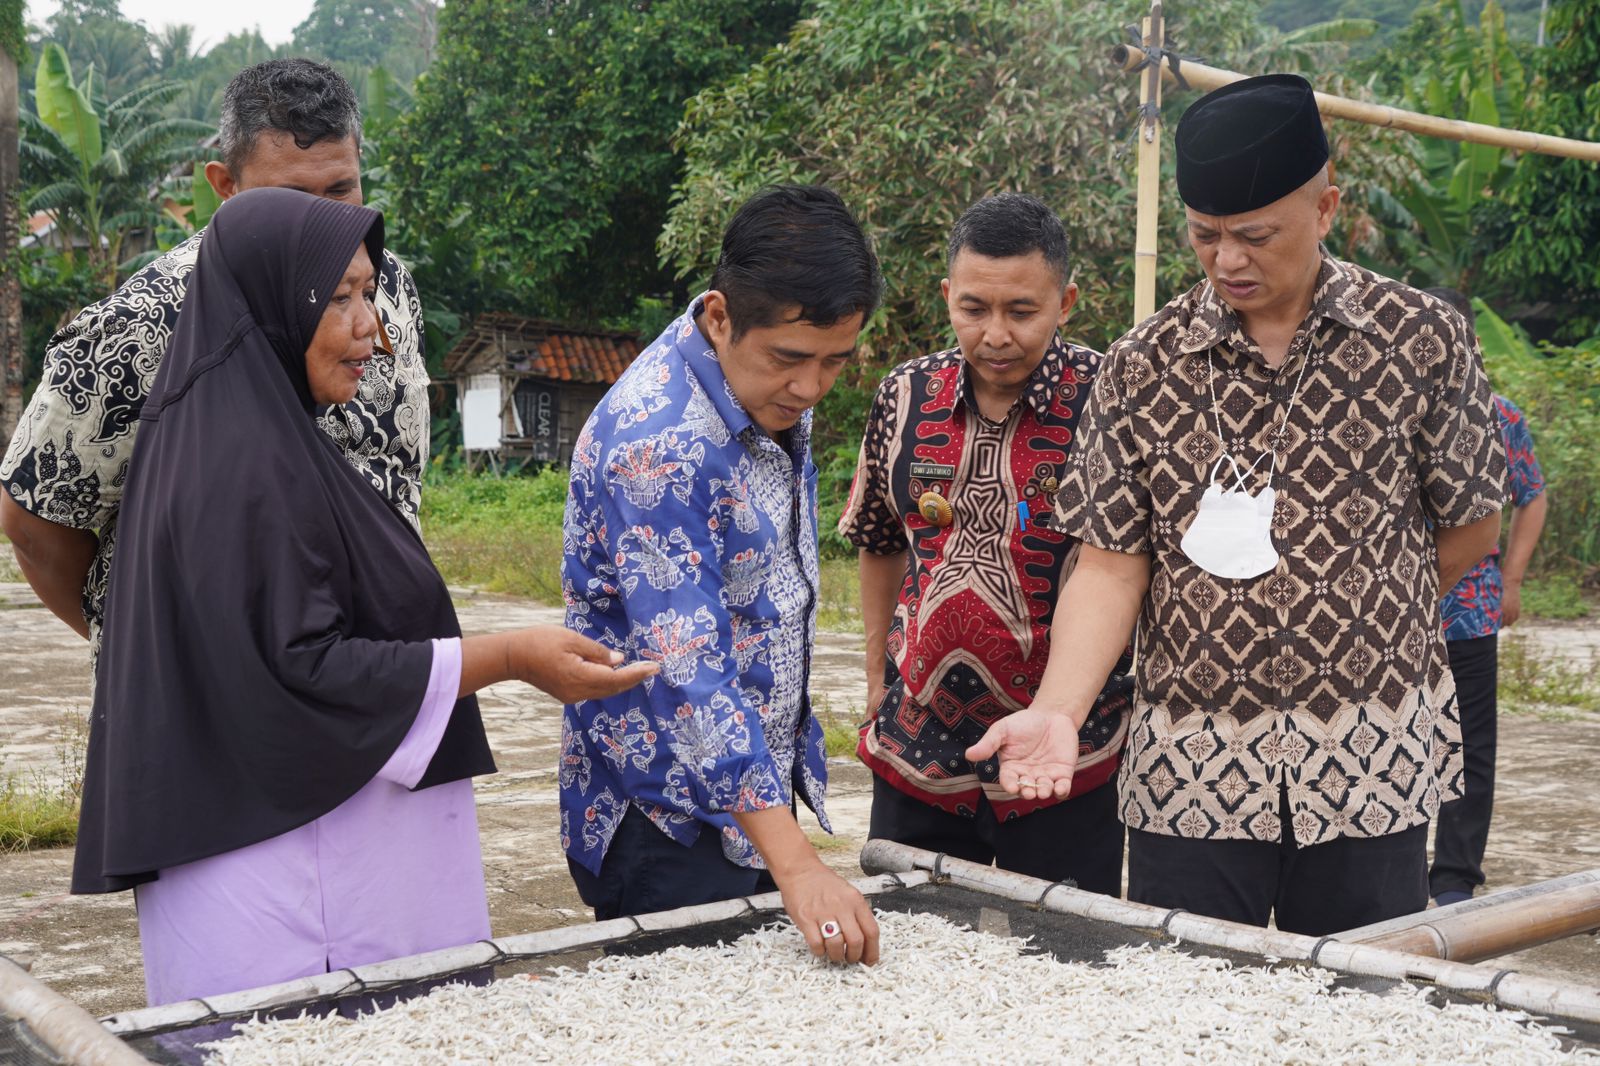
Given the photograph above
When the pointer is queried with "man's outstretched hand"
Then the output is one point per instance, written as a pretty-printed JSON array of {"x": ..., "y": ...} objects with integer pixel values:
[{"x": 1038, "y": 752}]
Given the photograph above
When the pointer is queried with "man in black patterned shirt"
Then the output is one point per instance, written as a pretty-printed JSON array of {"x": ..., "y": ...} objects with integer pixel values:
[{"x": 289, "y": 123}]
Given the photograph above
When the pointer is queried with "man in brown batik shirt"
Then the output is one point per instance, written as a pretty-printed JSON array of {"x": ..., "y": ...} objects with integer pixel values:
[{"x": 1295, "y": 724}]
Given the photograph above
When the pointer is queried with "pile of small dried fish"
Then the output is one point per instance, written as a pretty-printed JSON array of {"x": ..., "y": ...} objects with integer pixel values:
[{"x": 941, "y": 994}]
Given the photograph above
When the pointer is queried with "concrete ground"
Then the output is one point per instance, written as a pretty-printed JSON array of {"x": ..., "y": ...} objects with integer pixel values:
[{"x": 87, "y": 947}]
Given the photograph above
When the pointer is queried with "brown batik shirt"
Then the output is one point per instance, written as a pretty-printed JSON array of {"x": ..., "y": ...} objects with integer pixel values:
[{"x": 1326, "y": 677}]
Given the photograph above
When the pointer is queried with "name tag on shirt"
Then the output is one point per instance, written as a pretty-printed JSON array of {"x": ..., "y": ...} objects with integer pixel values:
[{"x": 933, "y": 471}]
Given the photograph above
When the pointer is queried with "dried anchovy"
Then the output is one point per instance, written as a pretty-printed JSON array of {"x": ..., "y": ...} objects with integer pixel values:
[{"x": 940, "y": 991}]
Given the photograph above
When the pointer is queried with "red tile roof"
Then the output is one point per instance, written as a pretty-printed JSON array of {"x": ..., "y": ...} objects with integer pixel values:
[{"x": 535, "y": 348}]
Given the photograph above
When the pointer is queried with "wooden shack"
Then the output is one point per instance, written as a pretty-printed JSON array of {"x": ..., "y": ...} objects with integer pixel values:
[{"x": 524, "y": 386}]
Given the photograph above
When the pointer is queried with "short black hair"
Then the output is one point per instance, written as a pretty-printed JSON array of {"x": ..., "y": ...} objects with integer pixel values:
[
  {"x": 309, "y": 100},
  {"x": 1011, "y": 224},
  {"x": 1457, "y": 299},
  {"x": 795, "y": 246}
]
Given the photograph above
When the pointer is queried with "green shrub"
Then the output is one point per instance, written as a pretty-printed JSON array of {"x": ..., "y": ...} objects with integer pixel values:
[
  {"x": 39, "y": 809},
  {"x": 1559, "y": 390},
  {"x": 1546, "y": 684},
  {"x": 500, "y": 534},
  {"x": 1556, "y": 596}
]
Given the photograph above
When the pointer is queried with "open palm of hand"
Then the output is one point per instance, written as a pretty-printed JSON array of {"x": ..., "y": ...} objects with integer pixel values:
[
  {"x": 570, "y": 666},
  {"x": 1038, "y": 752}
]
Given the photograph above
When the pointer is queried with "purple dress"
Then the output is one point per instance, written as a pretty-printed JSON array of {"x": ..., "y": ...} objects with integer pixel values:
[{"x": 387, "y": 873}]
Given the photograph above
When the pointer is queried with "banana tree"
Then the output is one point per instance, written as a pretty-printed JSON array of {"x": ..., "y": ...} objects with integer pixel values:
[
  {"x": 1474, "y": 74},
  {"x": 93, "y": 166}
]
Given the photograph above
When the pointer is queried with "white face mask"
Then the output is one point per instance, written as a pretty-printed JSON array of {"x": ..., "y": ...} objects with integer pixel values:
[{"x": 1231, "y": 535}]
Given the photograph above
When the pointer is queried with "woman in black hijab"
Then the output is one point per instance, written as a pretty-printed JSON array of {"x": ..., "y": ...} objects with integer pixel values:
[{"x": 284, "y": 731}]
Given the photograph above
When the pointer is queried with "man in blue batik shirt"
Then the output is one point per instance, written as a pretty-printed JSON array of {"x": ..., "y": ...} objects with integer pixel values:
[
  {"x": 1488, "y": 599},
  {"x": 690, "y": 540}
]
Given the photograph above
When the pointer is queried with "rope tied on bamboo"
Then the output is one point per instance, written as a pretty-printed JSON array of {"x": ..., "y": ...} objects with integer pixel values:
[{"x": 1153, "y": 55}]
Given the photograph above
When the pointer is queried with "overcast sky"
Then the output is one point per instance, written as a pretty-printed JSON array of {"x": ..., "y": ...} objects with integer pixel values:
[{"x": 212, "y": 19}]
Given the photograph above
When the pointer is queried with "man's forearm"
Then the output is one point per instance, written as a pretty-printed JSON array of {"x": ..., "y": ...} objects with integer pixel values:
[
  {"x": 881, "y": 578},
  {"x": 54, "y": 560},
  {"x": 1093, "y": 619},
  {"x": 780, "y": 840},
  {"x": 1463, "y": 547},
  {"x": 1527, "y": 523}
]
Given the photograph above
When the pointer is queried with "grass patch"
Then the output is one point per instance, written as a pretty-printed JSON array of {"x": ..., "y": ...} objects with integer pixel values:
[
  {"x": 1547, "y": 685},
  {"x": 1554, "y": 596},
  {"x": 841, "y": 731},
  {"x": 39, "y": 809},
  {"x": 503, "y": 534},
  {"x": 829, "y": 842},
  {"x": 499, "y": 534},
  {"x": 32, "y": 819},
  {"x": 839, "y": 597}
]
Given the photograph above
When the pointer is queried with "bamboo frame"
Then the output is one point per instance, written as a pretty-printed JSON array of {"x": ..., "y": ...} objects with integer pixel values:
[
  {"x": 1200, "y": 76},
  {"x": 1506, "y": 988},
  {"x": 892, "y": 867},
  {"x": 448, "y": 962}
]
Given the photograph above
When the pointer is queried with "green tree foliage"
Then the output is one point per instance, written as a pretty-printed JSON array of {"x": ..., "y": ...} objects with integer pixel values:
[
  {"x": 536, "y": 163},
  {"x": 93, "y": 33},
  {"x": 12, "y": 51},
  {"x": 1447, "y": 65},
  {"x": 12, "y": 30},
  {"x": 1559, "y": 390},
  {"x": 356, "y": 35},
  {"x": 915, "y": 108},
  {"x": 1544, "y": 230},
  {"x": 1393, "y": 16},
  {"x": 205, "y": 76},
  {"x": 92, "y": 165}
]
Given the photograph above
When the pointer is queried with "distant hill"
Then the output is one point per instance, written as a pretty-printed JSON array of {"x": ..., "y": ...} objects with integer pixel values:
[{"x": 1522, "y": 16}]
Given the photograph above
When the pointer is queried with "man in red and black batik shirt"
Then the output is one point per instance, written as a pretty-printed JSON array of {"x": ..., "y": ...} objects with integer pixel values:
[{"x": 962, "y": 456}]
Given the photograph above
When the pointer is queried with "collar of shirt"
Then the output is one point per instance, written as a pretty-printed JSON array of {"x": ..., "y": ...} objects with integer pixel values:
[
  {"x": 1338, "y": 296},
  {"x": 1040, "y": 388},
  {"x": 701, "y": 358}
]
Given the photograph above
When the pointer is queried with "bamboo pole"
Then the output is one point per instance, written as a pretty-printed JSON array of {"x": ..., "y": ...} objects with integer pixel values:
[
  {"x": 1144, "y": 252},
  {"x": 1207, "y": 78},
  {"x": 1479, "y": 903},
  {"x": 66, "y": 1028},
  {"x": 1494, "y": 925}
]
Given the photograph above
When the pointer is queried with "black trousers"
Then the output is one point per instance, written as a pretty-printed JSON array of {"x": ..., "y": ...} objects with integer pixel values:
[
  {"x": 1326, "y": 888},
  {"x": 1463, "y": 827},
  {"x": 645, "y": 871},
  {"x": 1079, "y": 839}
]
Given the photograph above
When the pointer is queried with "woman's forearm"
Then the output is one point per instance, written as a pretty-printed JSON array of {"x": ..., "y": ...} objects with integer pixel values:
[{"x": 485, "y": 661}]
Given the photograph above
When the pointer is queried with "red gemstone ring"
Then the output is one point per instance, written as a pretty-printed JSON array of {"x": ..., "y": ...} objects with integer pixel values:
[{"x": 830, "y": 929}]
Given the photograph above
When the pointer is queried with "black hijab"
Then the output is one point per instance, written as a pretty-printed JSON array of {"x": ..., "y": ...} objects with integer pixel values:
[{"x": 267, "y": 636}]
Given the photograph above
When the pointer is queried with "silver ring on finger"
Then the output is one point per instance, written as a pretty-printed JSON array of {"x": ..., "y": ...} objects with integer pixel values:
[{"x": 830, "y": 929}]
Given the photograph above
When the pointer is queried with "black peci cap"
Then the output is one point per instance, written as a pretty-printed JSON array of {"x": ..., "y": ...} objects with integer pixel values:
[{"x": 1249, "y": 144}]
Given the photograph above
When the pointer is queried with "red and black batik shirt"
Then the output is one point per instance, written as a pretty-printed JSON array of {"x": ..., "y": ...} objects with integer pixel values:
[{"x": 971, "y": 630}]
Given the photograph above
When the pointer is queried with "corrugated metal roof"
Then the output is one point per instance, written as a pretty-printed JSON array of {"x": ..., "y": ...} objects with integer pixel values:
[{"x": 500, "y": 342}]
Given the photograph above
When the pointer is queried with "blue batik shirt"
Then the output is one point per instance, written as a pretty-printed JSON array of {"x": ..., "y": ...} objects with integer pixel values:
[
  {"x": 690, "y": 541},
  {"x": 1472, "y": 609}
]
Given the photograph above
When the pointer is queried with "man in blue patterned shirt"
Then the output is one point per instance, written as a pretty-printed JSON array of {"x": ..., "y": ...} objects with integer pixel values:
[
  {"x": 691, "y": 542},
  {"x": 1488, "y": 599}
]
